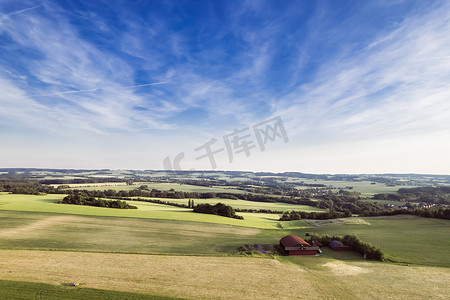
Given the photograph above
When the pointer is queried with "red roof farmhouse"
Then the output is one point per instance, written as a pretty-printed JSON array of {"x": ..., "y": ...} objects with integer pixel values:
[{"x": 294, "y": 245}]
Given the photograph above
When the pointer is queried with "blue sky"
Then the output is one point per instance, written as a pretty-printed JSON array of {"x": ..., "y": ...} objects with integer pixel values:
[{"x": 360, "y": 86}]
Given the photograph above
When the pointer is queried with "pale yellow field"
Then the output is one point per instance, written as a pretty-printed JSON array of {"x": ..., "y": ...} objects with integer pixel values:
[
  {"x": 195, "y": 277},
  {"x": 103, "y": 185},
  {"x": 346, "y": 279},
  {"x": 190, "y": 277}
]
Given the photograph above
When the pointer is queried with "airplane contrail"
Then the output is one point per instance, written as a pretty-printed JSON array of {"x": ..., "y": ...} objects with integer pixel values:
[
  {"x": 96, "y": 89},
  {"x": 23, "y": 10}
]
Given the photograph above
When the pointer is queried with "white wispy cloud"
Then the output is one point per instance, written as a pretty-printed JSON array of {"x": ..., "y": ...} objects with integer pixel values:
[
  {"x": 389, "y": 87},
  {"x": 22, "y": 11},
  {"x": 91, "y": 88},
  {"x": 106, "y": 78},
  {"x": 96, "y": 89}
]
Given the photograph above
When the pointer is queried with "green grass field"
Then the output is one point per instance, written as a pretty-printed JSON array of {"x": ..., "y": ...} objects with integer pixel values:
[
  {"x": 366, "y": 188},
  {"x": 243, "y": 204},
  {"x": 338, "y": 275},
  {"x": 48, "y": 203},
  {"x": 172, "y": 252},
  {"x": 33, "y": 230},
  {"x": 116, "y": 186},
  {"x": 32, "y": 290},
  {"x": 404, "y": 238}
]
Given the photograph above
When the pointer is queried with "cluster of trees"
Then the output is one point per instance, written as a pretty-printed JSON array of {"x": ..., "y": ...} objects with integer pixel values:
[
  {"x": 191, "y": 204},
  {"x": 219, "y": 209},
  {"x": 32, "y": 187},
  {"x": 347, "y": 201},
  {"x": 27, "y": 187},
  {"x": 436, "y": 195},
  {"x": 367, "y": 249},
  {"x": 83, "y": 199},
  {"x": 298, "y": 215},
  {"x": 440, "y": 213},
  {"x": 22, "y": 190},
  {"x": 387, "y": 196}
]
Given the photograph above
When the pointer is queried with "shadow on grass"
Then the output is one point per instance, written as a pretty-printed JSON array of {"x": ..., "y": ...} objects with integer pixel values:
[
  {"x": 73, "y": 284},
  {"x": 341, "y": 255},
  {"x": 270, "y": 219},
  {"x": 49, "y": 200}
]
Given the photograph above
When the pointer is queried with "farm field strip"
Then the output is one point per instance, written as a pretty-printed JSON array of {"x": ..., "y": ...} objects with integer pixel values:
[
  {"x": 48, "y": 203},
  {"x": 404, "y": 239},
  {"x": 196, "y": 277},
  {"x": 33, "y": 290},
  {"x": 243, "y": 204},
  {"x": 366, "y": 188},
  {"x": 345, "y": 278},
  {"x": 190, "y": 277},
  {"x": 33, "y": 230},
  {"x": 163, "y": 186}
]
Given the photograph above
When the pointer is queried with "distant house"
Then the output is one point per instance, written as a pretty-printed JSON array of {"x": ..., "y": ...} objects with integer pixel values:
[
  {"x": 297, "y": 246},
  {"x": 338, "y": 246}
]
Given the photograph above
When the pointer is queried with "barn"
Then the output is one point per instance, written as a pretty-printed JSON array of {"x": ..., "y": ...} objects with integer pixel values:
[
  {"x": 338, "y": 246},
  {"x": 294, "y": 245}
]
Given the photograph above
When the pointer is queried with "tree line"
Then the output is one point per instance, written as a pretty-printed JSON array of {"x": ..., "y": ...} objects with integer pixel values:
[
  {"x": 298, "y": 215},
  {"x": 436, "y": 195},
  {"x": 347, "y": 201},
  {"x": 219, "y": 209},
  {"x": 83, "y": 199},
  {"x": 367, "y": 249},
  {"x": 440, "y": 213}
]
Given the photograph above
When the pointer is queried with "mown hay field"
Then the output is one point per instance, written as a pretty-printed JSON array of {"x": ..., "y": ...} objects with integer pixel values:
[{"x": 196, "y": 277}]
